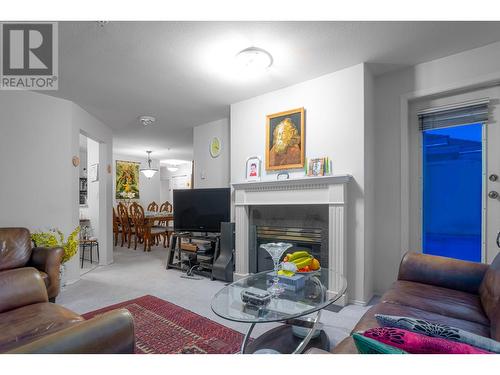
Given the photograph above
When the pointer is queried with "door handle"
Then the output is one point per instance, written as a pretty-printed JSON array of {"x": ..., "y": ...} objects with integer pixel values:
[{"x": 498, "y": 239}]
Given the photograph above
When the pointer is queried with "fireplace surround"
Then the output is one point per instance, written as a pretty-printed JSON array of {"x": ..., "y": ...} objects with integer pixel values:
[{"x": 329, "y": 192}]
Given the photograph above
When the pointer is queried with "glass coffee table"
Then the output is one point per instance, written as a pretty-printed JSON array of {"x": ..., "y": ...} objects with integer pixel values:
[{"x": 298, "y": 307}]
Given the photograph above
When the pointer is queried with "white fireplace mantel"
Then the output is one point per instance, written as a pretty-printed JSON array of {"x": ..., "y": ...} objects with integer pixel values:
[{"x": 326, "y": 190}]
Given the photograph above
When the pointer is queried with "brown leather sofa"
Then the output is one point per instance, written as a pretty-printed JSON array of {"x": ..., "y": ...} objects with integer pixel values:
[
  {"x": 16, "y": 252},
  {"x": 462, "y": 294},
  {"x": 29, "y": 323}
]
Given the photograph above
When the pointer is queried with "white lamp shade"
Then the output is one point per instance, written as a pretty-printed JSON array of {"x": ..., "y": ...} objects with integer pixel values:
[{"x": 149, "y": 172}]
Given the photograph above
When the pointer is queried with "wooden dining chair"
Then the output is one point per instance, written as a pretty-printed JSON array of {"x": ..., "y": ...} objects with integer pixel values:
[
  {"x": 166, "y": 206},
  {"x": 168, "y": 224},
  {"x": 127, "y": 229},
  {"x": 142, "y": 230},
  {"x": 117, "y": 227},
  {"x": 153, "y": 206}
]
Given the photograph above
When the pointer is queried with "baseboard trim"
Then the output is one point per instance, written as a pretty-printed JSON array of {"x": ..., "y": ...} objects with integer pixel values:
[
  {"x": 239, "y": 276},
  {"x": 364, "y": 303},
  {"x": 341, "y": 301}
]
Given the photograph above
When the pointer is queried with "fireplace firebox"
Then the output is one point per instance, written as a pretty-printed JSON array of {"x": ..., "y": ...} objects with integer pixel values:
[{"x": 309, "y": 239}]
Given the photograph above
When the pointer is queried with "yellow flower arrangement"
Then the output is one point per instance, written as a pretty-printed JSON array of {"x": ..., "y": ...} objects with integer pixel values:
[{"x": 55, "y": 238}]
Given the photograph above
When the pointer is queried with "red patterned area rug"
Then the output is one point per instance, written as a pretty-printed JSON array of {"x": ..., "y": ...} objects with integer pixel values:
[{"x": 164, "y": 328}]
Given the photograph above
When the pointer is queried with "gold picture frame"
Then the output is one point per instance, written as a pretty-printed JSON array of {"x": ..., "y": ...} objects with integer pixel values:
[{"x": 290, "y": 152}]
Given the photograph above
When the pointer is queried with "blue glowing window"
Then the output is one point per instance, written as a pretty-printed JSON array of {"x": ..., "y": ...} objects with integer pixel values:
[{"x": 452, "y": 192}]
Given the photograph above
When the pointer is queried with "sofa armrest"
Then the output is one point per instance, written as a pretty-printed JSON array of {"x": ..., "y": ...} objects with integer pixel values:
[
  {"x": 110, "y": 333},
  {"x": 20, "y": 287},
  {"x": 48, "y": 260},
  {"x": 441, "y": 271}
]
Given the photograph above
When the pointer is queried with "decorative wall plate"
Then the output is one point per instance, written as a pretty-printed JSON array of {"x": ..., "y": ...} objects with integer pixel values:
[
  {"x": 215, "y": 147},
  {"x": 75, "y": 161}
]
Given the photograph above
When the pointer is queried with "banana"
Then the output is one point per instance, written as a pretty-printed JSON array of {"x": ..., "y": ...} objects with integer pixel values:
[
  {"x": 302, "y": 258},
  {"x": 297, "y": 255},
  {"x": 285, "y": 273},
  {"x": 302, "y": 262}
]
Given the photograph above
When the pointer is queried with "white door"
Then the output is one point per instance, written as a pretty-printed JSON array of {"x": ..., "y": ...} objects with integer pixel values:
[{"x": 489, "y": 204}]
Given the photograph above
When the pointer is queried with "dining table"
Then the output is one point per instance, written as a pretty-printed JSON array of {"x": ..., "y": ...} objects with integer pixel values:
[{"x": 153, "y": 216}]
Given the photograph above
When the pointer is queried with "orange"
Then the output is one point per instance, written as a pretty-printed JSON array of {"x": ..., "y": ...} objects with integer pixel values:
[{"x": 315, "y": 264}]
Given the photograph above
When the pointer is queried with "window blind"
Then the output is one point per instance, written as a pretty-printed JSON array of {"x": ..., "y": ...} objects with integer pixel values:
[{"x": 453, "y": 115}]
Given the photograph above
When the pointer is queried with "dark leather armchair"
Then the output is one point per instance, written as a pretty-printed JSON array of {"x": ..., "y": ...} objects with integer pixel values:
[
  {"x": 16, "y": 252},
  {"x": 30, "y": 324}
]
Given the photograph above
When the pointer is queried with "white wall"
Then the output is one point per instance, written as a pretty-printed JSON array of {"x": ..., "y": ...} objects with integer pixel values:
[
  {"x": 335, "y": 127},
  {"x": 167, "y": 180},
  {"x": 149, "y": 188},
  {"x": 39, "y": 135},
  {"x": 464, "y": 70},
  {"x": 35, "y": 162},
  {"x": 211, "y": 172}
]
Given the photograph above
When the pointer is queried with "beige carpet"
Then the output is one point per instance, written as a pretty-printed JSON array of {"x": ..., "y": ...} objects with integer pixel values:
[{"x": 135, "y": 273}]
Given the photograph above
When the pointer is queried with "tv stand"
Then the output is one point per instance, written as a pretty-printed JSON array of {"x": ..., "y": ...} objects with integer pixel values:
[{"x": 188, "y": 260}]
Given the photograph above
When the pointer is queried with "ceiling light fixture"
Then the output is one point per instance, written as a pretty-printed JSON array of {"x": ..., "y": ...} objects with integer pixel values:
[
  {"x": 149, "y": 172},
  {"x": 147, "y": 120},
  {"x": 254, "y": 59},
  {"x": 173, "y": 168}
]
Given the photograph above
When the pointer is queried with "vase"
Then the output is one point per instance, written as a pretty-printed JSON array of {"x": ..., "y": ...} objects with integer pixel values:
[{"x": 276, "y": 250}]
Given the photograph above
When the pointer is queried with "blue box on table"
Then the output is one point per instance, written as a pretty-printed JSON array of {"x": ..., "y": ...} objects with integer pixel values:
[{"x": 291, "y": 283}]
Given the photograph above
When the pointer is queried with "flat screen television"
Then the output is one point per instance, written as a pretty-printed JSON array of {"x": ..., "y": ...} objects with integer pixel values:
[{"x": 201, "y": 210}]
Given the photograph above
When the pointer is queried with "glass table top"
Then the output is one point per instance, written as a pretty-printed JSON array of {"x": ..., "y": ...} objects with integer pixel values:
[{"x": 304, "y": 294}]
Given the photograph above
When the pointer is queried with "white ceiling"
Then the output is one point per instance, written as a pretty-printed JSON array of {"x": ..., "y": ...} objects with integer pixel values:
[{"x": 180, "y": 72}]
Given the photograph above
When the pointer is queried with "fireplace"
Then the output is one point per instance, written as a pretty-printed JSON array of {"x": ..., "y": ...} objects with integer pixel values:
[{"x": 278, "y": 210}]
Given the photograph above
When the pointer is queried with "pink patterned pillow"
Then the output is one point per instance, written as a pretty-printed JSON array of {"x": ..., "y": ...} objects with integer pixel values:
[{"x": 419, "y": 344}]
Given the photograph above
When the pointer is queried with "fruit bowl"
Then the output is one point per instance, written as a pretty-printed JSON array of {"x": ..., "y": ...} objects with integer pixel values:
[{"x": 299, "y": 261}]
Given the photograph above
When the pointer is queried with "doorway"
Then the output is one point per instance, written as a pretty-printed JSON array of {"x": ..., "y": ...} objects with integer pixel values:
[
  {"x": 454, "y": 159},
  {"x": 89, "y": 204}
]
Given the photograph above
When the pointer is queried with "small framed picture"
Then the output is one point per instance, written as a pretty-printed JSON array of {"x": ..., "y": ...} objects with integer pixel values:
[
  {"x": 316, "y": 167},
  {"x": 253, "y": 168},
  {"x": 94, "y": 173}
]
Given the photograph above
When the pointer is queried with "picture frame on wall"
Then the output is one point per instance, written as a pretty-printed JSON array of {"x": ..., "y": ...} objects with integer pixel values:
[
  {"x": 127, "y": 180},
  {"x": 94, "y": 173},
  {"x": 285, "y": 133},
  {"x": 253, "y": 168}
]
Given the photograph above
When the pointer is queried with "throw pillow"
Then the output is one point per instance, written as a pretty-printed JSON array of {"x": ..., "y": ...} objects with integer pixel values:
[
  {"x": 416, "y": 343},
  {"x": 439, "y": 330},
  {"x": 366, "y": 345}
]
